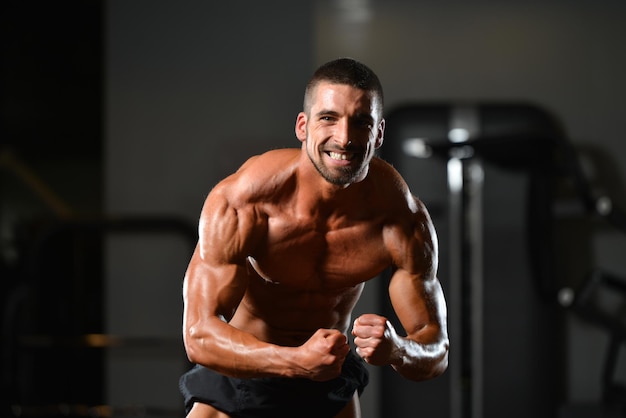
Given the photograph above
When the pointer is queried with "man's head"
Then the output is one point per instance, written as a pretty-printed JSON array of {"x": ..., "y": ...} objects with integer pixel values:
[
  {"x": 349, "y": 72},
  {"x": 342, "y": 123}
]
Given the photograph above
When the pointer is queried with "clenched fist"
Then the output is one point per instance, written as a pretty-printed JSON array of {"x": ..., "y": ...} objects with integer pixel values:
[
  {"x": 375, "y": 339},
  {"x": 323, "y": 354}
]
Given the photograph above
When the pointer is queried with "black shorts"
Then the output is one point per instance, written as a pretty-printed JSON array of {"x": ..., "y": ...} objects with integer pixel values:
[{"x": 274, "y": 397}]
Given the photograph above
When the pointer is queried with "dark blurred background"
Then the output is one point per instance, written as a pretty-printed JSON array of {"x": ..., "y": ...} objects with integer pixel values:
[{"x": 118, "y": 117}]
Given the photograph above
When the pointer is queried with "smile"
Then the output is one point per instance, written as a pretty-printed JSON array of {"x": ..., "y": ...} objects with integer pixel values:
[{"x": 340, "y": 156}]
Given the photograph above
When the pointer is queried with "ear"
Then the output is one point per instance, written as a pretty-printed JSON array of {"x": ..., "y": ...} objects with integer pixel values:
[
  {"x": 301, "y": 126},
  {"x": 381, "y": 134}
]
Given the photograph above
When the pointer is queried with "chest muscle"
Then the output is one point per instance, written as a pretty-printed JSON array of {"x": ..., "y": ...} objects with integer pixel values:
[{"x": 317, "y": 258}]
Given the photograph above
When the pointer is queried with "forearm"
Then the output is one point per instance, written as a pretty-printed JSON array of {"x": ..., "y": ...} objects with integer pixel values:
[
  {"x": 418, "y": 361},
  {"x": 421, "y": 309},
  {"x": 227, "y": 350}
]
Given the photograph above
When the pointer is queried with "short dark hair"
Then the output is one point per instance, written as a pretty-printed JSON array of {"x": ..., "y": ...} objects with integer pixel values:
[{"x": 345, "y": 71}]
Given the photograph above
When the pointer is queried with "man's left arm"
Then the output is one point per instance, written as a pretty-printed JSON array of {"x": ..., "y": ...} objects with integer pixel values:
[{"x": 418, "y": 301}]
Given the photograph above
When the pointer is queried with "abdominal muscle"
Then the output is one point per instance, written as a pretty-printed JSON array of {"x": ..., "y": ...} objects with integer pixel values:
[
  {"x": 297, "y": 286},
  {"x": 286, "y": 316}
]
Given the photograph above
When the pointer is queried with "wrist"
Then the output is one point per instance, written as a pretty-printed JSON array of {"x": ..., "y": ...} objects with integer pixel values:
[
  {"x": 293, "y": 364},
  {"x": 398, "y": 360}
]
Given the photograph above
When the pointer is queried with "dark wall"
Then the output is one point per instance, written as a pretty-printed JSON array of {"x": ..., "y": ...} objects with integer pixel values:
[{"x": 51, "y": 77}]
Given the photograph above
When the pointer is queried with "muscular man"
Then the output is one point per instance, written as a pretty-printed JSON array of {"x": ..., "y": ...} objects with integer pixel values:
[{"x": 285, "y": 246}]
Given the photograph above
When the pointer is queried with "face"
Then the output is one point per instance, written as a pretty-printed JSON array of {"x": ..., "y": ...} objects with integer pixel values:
[{"x": 341, "y": 131}]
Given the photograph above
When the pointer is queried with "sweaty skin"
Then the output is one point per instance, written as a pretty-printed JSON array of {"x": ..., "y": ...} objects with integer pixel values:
[{"x": 287, "y": 242}]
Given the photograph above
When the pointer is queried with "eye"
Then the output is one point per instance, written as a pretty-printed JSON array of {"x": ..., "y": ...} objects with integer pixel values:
[
  {"x": 327, "y": 118},
  {"x": 364, "y": 122}
]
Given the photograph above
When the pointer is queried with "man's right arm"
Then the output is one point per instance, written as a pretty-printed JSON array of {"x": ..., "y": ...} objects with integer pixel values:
[{"x": 215, "y": 283}]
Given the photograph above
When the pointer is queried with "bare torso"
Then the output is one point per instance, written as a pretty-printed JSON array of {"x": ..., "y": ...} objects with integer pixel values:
[
  {"x": 286, "y": 244},
  {"x": 307, "y": 269}
]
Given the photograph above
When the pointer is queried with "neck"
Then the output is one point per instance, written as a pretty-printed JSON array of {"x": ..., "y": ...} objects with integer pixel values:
[{"x": 317, "y": 195}]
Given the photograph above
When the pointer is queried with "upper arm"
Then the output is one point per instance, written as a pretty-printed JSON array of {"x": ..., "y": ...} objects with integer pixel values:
[
  {"x": 216, "y": 277},
  {"x": 415, "y": 292}
]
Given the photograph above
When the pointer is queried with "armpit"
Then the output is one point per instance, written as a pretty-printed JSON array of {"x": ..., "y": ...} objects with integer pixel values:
[{"x": 255, "y": 265}]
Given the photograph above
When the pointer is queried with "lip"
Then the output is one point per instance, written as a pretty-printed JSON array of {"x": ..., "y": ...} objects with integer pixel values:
[{"x": 349, "y": 157}]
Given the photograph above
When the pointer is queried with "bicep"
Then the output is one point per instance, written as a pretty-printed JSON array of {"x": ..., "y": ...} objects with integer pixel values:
[
  {"x": 212, "y": 288},
  {"x": 216, "y": 278},
  {"x": 419, "y": 304},
  {"x": 414, "y": 290}
]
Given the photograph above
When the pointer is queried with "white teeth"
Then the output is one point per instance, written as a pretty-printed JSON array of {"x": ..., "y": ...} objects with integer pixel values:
[{"x": 338, "y": 156}]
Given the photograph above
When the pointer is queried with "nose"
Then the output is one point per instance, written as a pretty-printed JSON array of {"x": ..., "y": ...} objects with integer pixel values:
[{"x": 342, "y": 133}]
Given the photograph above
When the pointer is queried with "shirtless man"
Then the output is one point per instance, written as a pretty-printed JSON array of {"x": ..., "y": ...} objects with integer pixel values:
[{"x": 285, "y": 246}]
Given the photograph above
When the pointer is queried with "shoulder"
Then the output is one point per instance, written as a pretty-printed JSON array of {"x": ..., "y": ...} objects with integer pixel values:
[
  {"x": 270, "y": 159},
  {"x": 393, "y": 190},
  {"x": 409, "y": 233},
  {"x": 393, "y": 195},
  {"x": 256, "y": 177},
  {"x": 234, "y": 212}
]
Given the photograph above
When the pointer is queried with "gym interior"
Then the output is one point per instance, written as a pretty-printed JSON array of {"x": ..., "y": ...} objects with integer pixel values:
[{"x": 119, "y": 116}]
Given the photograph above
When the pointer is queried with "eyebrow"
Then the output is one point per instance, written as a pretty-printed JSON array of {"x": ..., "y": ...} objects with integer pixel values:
[
  {"x": 364, "y": 116},
  {"x": 358, "y": 116},
  {"x": 327, "y": 112}
]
